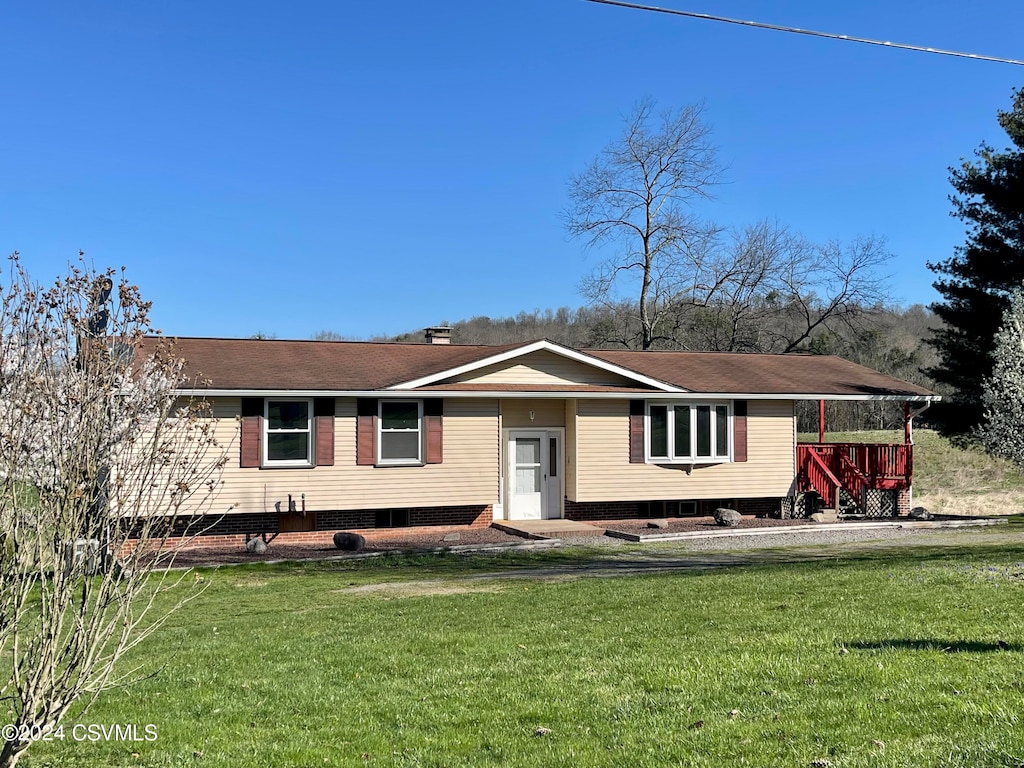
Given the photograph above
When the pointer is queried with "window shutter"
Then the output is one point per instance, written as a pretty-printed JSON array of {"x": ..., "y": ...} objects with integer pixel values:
[
  {"x": 252, "y": 429},
  {"x": 366, "y": 431},
  {"x": 739, "y": 430},
  {"x": 433, "y": 422},
  {"x": 636, "y": 431},
  {"x": 323, "y": 414}
]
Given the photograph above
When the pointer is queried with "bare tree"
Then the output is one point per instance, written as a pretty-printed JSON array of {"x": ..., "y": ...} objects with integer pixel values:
[
  {"x": 768, "y": 290},
  {"x": 636, "y": 196},
  {"x": 97, "y": 457},
  {"x": 696, "y": 285}
]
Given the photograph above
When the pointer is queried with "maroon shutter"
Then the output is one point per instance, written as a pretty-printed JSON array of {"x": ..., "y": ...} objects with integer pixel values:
[
  {"x": 252, "y": 428},
  {"x": 366, "y": 431},
  {"x": 323, "y": 413},
  {"x": 433, "y": 423},
  {"x": 739, "y": 430},
  {"x": 636, "y": 431}
]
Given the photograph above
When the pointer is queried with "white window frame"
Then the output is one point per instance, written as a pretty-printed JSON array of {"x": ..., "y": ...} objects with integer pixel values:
[
  {"x": 267, "y": 431},
  {"x": 693, "y": 458},
  {"x": 381, "y": 461}
]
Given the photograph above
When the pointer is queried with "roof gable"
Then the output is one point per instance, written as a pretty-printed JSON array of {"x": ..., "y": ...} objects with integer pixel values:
[{"x": 543, "y": 363}]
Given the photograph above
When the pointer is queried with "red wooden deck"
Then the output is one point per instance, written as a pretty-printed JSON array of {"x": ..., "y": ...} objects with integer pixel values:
[{"x": 855, "y": 467}]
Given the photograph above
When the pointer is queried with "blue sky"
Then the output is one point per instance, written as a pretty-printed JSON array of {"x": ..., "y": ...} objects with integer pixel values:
[{"x": 374, "y": 168}]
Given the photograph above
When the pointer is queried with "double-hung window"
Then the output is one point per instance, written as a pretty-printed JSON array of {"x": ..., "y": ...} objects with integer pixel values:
[
  {"x": 288, "y": 433},
  {"x": 688, "y": 432},
  {"x": 401, "y": 436}
]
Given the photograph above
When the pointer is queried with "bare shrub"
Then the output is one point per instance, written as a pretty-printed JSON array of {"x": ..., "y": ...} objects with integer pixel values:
[{"x": 97, "y": 454}]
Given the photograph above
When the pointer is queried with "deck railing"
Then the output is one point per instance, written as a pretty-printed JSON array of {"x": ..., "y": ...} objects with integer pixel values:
[
  {"x": 845, "y": 474},
  {"x": 853, "y": 480},
  {"x": 882, "y": 465},
  {"x": 820, "y": 478}
]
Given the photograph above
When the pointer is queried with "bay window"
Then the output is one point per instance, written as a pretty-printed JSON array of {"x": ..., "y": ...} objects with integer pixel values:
[{"x": 688, "y": 432}]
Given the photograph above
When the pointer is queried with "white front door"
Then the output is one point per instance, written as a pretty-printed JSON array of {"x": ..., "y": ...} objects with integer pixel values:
[{"x": 535, "y": 474}]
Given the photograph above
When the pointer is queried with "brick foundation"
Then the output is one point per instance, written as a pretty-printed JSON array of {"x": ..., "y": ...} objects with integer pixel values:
[
  {"x": 236, "y": 529},
  {"x": 770, "y": 507},
  {"x": 601, "y": 510},
  {"x": 903, "y": 503},
  {"x": 622, "y": 510}
]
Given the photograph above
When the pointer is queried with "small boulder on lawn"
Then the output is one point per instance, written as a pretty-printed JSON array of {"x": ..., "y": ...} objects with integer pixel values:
[
  {"x": 657, "y": 523},
  {"x": 730, "y": 518},
  {"x": 920, "y": 513},
  {"x": 256, "y": 546},
  {"x": 350, "y": 542}
]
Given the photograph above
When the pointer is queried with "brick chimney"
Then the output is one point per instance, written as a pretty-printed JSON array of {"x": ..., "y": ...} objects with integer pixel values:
[{"x": 440, "y": 334}]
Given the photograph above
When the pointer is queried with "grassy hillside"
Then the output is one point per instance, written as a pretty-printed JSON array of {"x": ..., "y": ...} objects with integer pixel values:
[{"x": 951, "y": 479}]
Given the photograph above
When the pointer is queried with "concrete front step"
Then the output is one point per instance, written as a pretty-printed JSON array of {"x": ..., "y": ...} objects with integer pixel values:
[{"x": 545, "y": 529}]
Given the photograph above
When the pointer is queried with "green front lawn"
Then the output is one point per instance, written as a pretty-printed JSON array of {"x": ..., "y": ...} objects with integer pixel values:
[{"x": 899, "y": 657}]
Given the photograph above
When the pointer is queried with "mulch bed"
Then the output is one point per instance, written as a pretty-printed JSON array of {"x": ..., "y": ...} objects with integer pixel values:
[
  {"x": 688, "y": 524},
  {"x": 391, "y": 542}
]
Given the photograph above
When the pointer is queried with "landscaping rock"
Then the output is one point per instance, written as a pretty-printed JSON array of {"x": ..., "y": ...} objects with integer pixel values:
[
  {"x": 256, "y": 546},
  {"x": 454, "y": 536},
  {"x": 817, "y": 517},
  {"x": 920, "y": 513},
  {"x": 657, "y": 523},
  {"x": 350, "y": 542},
  {"x": 727, "y": 517}
]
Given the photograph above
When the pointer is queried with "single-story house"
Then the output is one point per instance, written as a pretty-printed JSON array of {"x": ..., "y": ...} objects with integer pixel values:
[{"x": 338, "y": 435}]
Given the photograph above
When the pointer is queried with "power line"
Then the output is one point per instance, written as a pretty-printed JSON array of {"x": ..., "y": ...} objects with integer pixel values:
[{"x": 797, "y": 30}]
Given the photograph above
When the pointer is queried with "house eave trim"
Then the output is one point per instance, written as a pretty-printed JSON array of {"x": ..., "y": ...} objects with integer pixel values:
[{"x": 564, "y": 395}]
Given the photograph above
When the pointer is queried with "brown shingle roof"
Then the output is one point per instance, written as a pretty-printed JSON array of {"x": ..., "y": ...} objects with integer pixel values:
[
  {"x": 271, "y": 364},
  {"x": 280, "y": 366},
  {"x": 748, "y": 373}
]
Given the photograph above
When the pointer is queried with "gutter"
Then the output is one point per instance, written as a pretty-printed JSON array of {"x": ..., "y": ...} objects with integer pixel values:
[{"x": 556, "y": 395}]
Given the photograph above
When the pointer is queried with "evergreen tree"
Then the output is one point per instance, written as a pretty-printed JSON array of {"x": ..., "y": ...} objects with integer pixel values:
[
  {"x": 1004, "y": 391},
  {"x": 977, "y": 281}
]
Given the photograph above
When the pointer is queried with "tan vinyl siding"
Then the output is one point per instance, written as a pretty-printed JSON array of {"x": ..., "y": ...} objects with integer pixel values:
[
  {"x": 570, "y": 450},
  {"x": 603, "y": 471},
  {"x": 468, "y": 475},
  {"x": 515, "y": 414},
  {"x": 543, "y": 367}
]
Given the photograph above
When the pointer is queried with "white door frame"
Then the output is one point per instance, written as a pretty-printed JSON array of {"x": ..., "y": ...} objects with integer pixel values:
[{"x": 552, "y": 488}]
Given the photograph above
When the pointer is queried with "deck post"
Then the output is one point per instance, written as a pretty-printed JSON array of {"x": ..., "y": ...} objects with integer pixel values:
[
  {"x": 908, "y": 430},
  {"x": 821, "y": 421}
]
